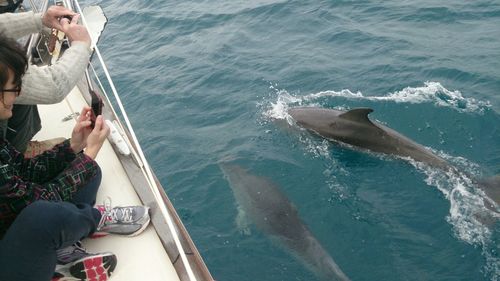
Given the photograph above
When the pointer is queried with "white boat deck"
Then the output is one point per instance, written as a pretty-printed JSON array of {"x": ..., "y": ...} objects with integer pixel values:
[{"x": 139, "y": 258}]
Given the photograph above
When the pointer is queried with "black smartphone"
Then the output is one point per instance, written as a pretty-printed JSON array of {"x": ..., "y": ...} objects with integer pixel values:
[
  {"x": 67, "y": 17},
  {"x": 61, "y": 3},
  {"x": 96, "y": 105}
]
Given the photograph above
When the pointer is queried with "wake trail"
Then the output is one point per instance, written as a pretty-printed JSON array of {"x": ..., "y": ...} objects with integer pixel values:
[{"x": 432, "y": 92}]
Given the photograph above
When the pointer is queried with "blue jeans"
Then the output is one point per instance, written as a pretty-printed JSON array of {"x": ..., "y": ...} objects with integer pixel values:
[{"x": 28, "y": 249}]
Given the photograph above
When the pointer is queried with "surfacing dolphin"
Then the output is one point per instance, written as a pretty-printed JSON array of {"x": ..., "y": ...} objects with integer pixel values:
[
  {"x": 270, "y": 210},
  {"x": 355, "y": 128}
]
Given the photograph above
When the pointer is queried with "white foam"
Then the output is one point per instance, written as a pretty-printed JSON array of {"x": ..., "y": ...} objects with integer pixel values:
[
  {"x": 279, "y": 109},
  {"x": 431, "y": 92},
  {"x": 342, "y": 93},
  {"x": 435, "y": 93},
  {"x": 466, "y": 209},
  {"x": 466, "y": 200}
]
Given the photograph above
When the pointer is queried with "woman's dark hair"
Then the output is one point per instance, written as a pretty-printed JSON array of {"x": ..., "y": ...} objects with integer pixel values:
[{"x": 11, "y": 57}]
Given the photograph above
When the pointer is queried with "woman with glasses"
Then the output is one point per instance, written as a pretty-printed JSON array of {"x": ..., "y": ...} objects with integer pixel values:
[
  {"x": 46, "y": 202},
  {"x": 44, "y": 84}
]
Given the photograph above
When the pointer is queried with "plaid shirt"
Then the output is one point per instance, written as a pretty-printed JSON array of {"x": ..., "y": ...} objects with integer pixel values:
[{"x": 54, "y": 175}]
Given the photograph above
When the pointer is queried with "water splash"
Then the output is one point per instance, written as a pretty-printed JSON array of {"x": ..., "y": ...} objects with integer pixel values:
[
  {"x": 431, "y": 92},
  {"x": 467, "y": 210},
  {"x": 279, "y": 109},
  {"x": 434, "y": 92}
]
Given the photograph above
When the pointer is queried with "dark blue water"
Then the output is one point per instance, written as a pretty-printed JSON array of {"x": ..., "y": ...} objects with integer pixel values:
[{"x": 209, "y": 80}]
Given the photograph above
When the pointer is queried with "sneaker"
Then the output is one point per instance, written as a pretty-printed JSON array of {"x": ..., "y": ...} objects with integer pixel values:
[
  {"x": 127, "y": 221},
  {"x": 74, "y": 263}
]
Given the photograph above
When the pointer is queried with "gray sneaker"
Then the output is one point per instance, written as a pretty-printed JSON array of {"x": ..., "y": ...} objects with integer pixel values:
[
  {"x": 74, "y": 263},
  {"x": 127, "y": 221}
]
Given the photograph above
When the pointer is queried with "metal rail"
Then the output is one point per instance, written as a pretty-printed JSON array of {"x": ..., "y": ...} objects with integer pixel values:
[{"x": 146, "y": 167}]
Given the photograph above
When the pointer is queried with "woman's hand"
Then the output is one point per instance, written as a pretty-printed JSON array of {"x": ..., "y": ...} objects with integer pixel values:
[
  {"x": 81, "y": 131},
  {"x": 84, "y": 136},
  {"x": 97, "y": 137}
]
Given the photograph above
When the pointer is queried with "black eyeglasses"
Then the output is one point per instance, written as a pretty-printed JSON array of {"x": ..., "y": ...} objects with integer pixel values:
[{"x": 16, "y": 91}]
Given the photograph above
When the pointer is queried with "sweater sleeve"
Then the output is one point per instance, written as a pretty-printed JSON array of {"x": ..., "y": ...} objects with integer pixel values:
[
  {"x": 44, "y": 166},
  {"x": 16, "y": 193},
  {"x": 45, "y": 179},
  {"x": 17, "y": 25},
  {"x": 51, "y": 84}
]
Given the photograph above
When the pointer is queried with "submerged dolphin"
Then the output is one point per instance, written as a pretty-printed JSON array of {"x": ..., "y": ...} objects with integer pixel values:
[
  {"x": 273, "y": 213},
  {"x": 355, "y": 128}
]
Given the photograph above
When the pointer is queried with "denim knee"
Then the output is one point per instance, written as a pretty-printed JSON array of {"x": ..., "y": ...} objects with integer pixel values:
[
  {"x": 38, "y": 221},
  {"x": 56, "y": 223},
  {"x": 87, "y": 194}
]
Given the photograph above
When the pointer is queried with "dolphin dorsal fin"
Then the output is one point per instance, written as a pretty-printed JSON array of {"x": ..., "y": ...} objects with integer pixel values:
[{"x": 358, "y": 114}]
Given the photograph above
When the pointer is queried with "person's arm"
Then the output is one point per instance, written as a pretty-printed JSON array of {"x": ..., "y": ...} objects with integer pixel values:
[
  {"x": 51, "y": 84},
  {"x": 42, "y": 167},
  {"x": 62, "y": 169},
  {"x": 17, "y": 25},
  {"x": 20, "y": 192}
]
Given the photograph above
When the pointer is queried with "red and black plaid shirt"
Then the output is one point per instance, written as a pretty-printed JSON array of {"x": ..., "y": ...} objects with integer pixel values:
[{"x": 54, "y": 175}]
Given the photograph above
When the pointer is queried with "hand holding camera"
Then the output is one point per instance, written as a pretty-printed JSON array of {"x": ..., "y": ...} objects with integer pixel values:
[
  {"x": 54, "y": 14},
  {"x": 75, "y": 31},
  {"x": 65, "y": 20}
]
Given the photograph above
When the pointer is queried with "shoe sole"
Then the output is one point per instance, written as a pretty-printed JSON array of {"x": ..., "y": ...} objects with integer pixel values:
[
  {"x": 94, "y": 268},
  {"x": 143, "y": 227}
]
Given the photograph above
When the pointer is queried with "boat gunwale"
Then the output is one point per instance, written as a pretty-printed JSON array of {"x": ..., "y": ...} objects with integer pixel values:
[{"x": 158, "y": 221}]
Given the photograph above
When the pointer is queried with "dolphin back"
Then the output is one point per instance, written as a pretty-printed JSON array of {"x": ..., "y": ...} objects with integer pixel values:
[
  {"x": 355, "y": 128},
  {"x": 271, "y": 211},
  {"x": 491, "y": 187}
]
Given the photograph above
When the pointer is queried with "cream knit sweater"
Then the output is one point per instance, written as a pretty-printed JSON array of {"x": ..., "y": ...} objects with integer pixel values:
[{"x": 46, "y": 84}]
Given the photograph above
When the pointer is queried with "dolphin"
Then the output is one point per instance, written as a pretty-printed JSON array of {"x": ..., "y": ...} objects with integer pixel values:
[
  {"x": 355, "y": 128},
  {"x": 491, "y": 187},
  {"x": 270, "y": 210}
]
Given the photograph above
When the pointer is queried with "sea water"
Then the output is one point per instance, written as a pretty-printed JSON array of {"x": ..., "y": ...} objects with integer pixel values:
[{"x": 210, "y": 81}]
